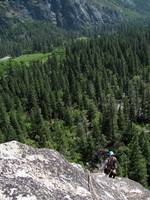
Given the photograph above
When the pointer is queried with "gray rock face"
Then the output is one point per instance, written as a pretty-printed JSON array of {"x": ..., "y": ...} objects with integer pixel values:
[
  {"x": 74, "y": 14},
  {"x": 42, "y": 174},
  {"x": 68, "y": 14}
]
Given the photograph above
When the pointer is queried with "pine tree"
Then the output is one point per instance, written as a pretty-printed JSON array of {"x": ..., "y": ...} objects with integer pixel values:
[
  {"x": 144, "y": 142},
  {"x": 137, "y": 165},
  {"x": 40, "y": 130}
]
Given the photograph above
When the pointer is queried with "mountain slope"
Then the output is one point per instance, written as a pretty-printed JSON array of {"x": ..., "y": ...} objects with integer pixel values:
[
  {"x": 38, "y": 26},
  {"x": 74, "y": 14},
  {"x": 42, "y": 174},
  {"x": 96, "y": 96}
]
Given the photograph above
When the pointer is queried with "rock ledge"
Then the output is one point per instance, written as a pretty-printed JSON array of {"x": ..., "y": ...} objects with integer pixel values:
[{"x": 42, "y": 174}]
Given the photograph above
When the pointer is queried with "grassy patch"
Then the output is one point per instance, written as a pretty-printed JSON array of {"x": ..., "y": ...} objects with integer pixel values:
[
  {"x": 29, "y": 58},
  {"x": 32, "y": 57}
]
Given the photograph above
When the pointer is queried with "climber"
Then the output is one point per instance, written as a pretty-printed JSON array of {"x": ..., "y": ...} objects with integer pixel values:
[
  {"x": 98, "y": 159},
  {"x": 110, "y": 165}
]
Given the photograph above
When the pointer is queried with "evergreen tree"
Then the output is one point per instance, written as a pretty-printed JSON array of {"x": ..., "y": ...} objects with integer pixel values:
[{"x": 137, "y": 165}]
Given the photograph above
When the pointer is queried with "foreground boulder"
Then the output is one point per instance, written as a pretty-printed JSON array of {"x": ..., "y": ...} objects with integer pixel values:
[{"x": 42, "y": 174}]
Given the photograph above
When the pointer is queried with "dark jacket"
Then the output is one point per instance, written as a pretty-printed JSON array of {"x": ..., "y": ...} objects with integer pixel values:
[{"x": 111, "y": 163}]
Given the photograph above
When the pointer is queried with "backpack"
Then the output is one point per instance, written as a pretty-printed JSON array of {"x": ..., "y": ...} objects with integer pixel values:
[{"x": 111, "y": 162}]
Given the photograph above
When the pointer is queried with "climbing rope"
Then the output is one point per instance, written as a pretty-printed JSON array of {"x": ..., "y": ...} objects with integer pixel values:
[{"x": 91, "y": 188}]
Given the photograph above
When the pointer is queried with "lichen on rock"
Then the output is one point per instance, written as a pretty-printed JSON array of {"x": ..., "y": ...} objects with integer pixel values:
[{"x": 43, "y": 174}]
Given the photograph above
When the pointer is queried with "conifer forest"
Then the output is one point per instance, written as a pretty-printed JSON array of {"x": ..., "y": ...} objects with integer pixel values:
[{"x": 95, "y": 95}]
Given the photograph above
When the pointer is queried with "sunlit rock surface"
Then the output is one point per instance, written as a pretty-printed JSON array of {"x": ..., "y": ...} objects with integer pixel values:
[{"x": 42, "y": 174}]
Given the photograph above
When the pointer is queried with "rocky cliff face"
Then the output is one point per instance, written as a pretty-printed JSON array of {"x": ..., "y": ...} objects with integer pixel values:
[
  {"x": 69, "y": 14},
  {"x": 42, "y": 174},
  {"x": 74, "y": 14}
]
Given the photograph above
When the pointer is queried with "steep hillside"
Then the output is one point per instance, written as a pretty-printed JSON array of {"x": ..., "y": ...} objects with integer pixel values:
[
  {"x": 70, "y": 14},
  {"x": 74, "y": 14},
  {"x": 95, "y": 94},
  {"x": 38, "y": 26},
  {"x": 42, "y": 174}
]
